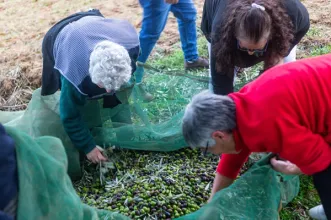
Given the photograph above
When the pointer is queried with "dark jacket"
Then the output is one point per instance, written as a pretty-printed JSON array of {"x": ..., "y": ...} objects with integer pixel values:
[
  {"x": 212, "y": 17},
  {"x": 8, "y": 176}
]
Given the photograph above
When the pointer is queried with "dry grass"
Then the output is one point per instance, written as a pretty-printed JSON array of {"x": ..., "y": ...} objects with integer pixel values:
[{"x": 24, "y": 24}]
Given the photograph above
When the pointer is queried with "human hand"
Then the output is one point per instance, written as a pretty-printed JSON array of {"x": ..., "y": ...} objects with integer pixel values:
[
  {"x": 285, "y": 167},
  {"x": 95, "y": 156},
  {"x": 171, "y": 1}
]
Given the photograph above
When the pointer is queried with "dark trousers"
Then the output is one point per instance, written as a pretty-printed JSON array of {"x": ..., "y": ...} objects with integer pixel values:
[
  {"x": 8, "y": 176},
  {"x": 322, "y": 182}
]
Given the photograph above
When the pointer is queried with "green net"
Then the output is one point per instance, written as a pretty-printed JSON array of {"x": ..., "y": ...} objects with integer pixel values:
[
  {"x": 43, "y": 181},
  {"x": 45, "y": 189},
  {"x": 137, "y": 124},
  {"x": 258, "y": 194}
]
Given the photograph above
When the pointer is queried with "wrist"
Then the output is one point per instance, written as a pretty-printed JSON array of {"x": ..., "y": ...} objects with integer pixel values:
[{"x": 90, "y": 147}]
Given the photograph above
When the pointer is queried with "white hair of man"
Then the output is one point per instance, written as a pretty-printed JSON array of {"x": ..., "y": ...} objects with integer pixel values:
[
  {"x": 205, "y": 114},
  {"x": 110, "y": 65}
]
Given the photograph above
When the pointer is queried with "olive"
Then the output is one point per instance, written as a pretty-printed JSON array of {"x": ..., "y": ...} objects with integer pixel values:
[{"x": 174, "y": 188}]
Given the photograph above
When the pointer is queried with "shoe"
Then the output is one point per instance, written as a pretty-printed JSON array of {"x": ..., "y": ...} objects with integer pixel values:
[
  {"x": 318, "y": 213},
  {"x": 147, "y": 97},
  {"x": 197, "y": 64}
]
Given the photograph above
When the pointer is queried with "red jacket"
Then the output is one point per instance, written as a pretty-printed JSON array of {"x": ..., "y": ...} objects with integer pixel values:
[{"x": 287, "y": 110}]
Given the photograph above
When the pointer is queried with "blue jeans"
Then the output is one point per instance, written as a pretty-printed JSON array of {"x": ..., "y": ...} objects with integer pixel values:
[{"x": 154, "y": 20}]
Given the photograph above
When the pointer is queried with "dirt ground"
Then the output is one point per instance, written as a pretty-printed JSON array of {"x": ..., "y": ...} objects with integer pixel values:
[{"x": 24, "y": 22}]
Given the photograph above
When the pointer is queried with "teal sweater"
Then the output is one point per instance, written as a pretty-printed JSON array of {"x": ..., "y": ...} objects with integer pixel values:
[{"x": 71, "y": 103}]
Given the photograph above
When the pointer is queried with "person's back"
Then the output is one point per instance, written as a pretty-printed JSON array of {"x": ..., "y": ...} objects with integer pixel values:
[
  {"x": 294, "y": 97},
  {"x": 300, "y": 89},
  {"x": 75, "y": 43}
]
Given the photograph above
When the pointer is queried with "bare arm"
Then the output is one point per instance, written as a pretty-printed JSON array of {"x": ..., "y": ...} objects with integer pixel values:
[
  {"x": 220, "y": 182},
  {"x": 228, "y": 169}
]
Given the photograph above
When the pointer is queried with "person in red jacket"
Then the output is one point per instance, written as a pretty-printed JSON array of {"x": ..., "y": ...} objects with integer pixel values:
[{"x": 286, "y": 111}]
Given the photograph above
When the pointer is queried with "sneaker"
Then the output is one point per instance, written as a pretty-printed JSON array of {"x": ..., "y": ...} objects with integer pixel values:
[
  {"x": 197, "y": 64},
  {"x": 317, "y": 213}
]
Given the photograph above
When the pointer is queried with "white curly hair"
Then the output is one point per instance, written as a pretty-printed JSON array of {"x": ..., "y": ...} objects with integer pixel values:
[{"x": 110, "y": 65}]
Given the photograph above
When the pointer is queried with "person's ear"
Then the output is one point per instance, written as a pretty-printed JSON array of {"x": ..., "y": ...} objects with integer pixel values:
[{"x": 220, "y": 135}]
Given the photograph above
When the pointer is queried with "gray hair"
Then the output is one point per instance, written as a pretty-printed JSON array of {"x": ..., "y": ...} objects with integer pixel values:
[
  {"x": 205, "y": 114},
  {"x": 110, "y": 65}
]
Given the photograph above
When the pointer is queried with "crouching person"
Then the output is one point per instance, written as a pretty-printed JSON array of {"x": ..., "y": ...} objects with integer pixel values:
[
  {"x": 89, "y": 57},
  {"x": 9, "y": 179},
  {"x": 286, "y": 111}
]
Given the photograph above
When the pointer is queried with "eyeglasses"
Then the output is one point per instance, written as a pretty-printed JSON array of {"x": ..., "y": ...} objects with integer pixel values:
[
  {"x": 206, "y": 149},
  {"x": 255, "y": 51}
]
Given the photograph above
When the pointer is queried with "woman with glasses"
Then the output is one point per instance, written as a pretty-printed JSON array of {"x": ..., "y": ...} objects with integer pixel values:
[{"x": 242, "y": 33}]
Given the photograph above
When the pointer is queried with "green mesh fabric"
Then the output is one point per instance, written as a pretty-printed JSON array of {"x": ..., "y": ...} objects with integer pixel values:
[
  {"x": 45, "y": 189},
  {"x": 255, "y": 195},
  {"x": 135, "y": 124},
  {"x": 43, "y": 181}
]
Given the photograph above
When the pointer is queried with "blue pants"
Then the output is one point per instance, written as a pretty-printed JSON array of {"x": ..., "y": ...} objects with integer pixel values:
[{"x": 154, "y": 20}]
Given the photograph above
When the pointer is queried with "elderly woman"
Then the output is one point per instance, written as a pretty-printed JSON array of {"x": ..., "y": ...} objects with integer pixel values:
[
  {"x": 287, "y": 111},
  {"x": 88, "y": 57},
  {"x": 242, "y": 33}
]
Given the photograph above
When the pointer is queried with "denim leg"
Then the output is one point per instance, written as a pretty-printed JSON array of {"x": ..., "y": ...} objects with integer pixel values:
[
  {"x": 185, "y": 12},
  {"x": 154, "y": 20}
]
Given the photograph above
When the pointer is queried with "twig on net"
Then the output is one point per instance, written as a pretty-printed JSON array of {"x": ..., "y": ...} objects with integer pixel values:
[{"x": 4, "y": 107}]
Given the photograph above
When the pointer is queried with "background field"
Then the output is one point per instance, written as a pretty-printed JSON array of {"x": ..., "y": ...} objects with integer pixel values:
[{"x": 24, "y": 23}]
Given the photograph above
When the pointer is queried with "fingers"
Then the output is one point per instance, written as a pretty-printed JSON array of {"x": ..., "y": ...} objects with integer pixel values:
[
  {"x": 273, "y": 161},
  {"x": 285, "y": 167},
  {"x": 92, "y": 159},
  {"x": 95, "y": 156},
  {"x": 278, "y": 165},
  {"x": 276, "y": 162},
  {"x": 101, "y": 157}
]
